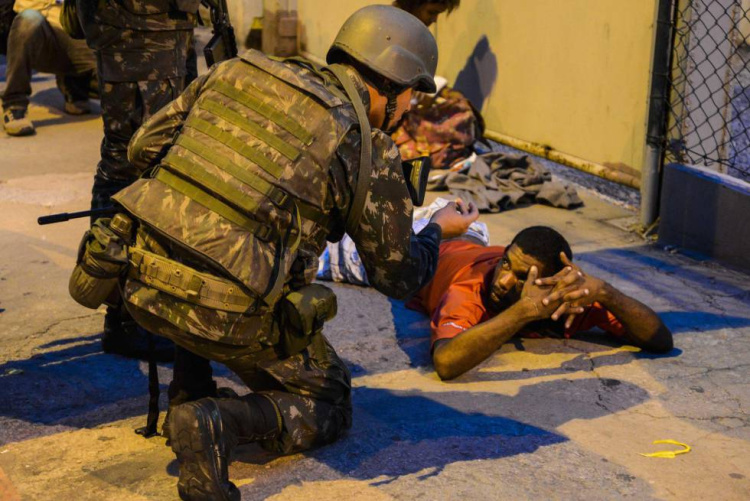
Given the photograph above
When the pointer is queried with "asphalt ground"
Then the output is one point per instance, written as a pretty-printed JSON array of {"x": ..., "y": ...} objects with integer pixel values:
[{"x": 542, "y": 418}]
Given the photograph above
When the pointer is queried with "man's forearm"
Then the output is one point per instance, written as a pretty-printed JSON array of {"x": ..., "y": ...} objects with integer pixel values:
[
  {"x": 643, "y": 327},
  {"x": 471, "y": 347}
]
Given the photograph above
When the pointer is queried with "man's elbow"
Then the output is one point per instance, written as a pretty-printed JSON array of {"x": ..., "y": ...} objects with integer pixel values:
[
  {"x": 661, "y": 342},
  {"x": 443, "y": 366}
]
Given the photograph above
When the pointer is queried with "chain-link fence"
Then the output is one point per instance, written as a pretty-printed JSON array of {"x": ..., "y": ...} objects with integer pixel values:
[{"x": 709, "y": 109}]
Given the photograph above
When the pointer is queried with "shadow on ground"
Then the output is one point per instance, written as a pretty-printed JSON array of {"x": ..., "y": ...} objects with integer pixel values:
[
  {"x": 74, "y": 384},
  {"x": 399, "y": 433}
]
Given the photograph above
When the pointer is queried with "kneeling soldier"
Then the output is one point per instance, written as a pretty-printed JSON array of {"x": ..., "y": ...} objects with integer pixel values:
[{"x": 249, "y": 172}]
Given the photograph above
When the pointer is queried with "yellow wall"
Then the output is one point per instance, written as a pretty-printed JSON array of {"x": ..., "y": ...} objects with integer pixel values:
[{"x": 572, "y": 74}]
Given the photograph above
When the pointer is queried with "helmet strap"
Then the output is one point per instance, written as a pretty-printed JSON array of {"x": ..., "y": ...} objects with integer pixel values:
[{"x": 390, "y": 109}]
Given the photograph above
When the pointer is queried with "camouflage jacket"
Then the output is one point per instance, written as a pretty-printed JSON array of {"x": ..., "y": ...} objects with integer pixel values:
[
  {"x": 138, "y": 40},
  {"x": 398, "y": 262}
]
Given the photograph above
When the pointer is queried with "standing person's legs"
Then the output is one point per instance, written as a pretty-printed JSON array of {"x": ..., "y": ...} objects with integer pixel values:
[{"x": 125, "y": 106}]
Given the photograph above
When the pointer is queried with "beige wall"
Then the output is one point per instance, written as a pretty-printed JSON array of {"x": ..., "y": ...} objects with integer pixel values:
[{"x": 573, "y": 75}]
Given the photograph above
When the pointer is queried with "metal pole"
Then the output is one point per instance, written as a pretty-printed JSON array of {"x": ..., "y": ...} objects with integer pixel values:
[{"x": 657, "y": 115}]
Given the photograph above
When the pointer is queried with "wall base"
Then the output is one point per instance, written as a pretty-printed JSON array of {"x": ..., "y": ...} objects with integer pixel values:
[{"x": 707, "y": 212}]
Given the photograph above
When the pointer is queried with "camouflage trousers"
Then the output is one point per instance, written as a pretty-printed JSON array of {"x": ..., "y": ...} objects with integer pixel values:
[
  {"x": 125, "y": 106},
  {"x": 311, "y": 390}
]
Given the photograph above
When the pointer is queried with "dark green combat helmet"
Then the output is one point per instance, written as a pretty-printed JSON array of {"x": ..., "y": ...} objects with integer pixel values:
[{"x": 391, "y": 43}]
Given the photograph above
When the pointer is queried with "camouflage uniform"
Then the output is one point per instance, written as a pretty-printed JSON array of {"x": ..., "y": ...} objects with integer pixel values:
[
  {"x": 141, "y": 48},
  {"x": 310, "y": 389}
]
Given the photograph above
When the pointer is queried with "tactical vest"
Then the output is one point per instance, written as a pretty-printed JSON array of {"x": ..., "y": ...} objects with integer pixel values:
[{"x": 246, "y": 178}]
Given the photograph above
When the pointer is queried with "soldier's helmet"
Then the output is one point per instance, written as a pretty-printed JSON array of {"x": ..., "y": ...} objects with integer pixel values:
[{"x": 390, "y": 42}]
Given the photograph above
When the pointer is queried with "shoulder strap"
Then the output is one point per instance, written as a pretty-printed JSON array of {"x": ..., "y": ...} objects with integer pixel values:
[{"x": 365, "y": 158}]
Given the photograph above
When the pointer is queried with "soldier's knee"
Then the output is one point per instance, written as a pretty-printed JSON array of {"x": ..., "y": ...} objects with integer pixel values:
[{"x": 28, "y": 23}]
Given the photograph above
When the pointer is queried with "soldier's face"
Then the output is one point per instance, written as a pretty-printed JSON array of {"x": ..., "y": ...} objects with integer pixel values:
[{"x": 403, "y": 104}]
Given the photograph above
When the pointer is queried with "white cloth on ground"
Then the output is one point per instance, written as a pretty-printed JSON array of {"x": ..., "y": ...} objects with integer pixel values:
[{"x": 340, "y": 261}]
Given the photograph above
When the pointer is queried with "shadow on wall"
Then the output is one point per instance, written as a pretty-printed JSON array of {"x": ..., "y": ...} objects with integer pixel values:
[{"x": 478, "y": 76}]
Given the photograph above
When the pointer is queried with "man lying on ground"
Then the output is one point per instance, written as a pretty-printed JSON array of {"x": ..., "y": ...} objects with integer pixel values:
[{"x": 481, "y": 297}]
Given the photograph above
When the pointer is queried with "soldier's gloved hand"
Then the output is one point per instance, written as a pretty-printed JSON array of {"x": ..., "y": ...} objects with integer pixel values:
[{"x": 455, "y": 218}]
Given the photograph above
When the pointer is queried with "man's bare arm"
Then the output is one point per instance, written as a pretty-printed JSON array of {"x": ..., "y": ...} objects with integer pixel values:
[
  {"x": 452, "y": 357},
  {"x": 471, "y": 347},
  {"x": 643, "y": 327}
]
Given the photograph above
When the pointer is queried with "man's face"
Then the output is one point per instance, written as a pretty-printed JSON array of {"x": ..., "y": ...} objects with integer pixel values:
[
  {"x": 429, "y": 12},
  {"x": 510, "y": 276}
]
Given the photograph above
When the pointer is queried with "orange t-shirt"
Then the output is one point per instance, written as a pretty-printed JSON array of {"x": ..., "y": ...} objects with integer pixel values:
[{"x": 454, "y": 299}]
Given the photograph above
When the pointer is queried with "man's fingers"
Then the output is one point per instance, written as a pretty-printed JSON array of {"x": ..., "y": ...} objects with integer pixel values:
[
  {"x": 560, "y": 311},
  {"x": 471, "y": 213},
  {"x": 564, "y": 259},
  {"x": 558, "y": 293},
  {"x": 554, "y": 278},
  {"x": 576, "y": 294},
  {"x": 569, "y": 321},
  {"x": 547, "y": 280},
  {"x": 533, "y": 274}
]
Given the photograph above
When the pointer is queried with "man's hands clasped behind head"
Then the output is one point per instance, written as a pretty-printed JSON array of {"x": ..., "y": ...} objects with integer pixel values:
[
  {"x": 455, "y": 218},
  {"x": 571, "y": 290}
]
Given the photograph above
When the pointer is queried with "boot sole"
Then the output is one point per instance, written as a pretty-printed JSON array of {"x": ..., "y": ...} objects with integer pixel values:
[
  {"x": 20, "y": 133},
  {"x": 192, "y": 450}
]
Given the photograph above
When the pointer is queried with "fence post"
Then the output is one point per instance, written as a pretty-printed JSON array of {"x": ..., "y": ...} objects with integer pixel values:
[{"x": 657, "y": 114}]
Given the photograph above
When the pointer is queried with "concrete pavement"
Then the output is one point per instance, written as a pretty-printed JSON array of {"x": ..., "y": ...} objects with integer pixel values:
[{"x": 563, "y": 419}]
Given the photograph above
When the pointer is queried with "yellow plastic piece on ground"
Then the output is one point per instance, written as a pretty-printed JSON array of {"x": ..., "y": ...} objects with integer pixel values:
[{"x": 668, "y": 454}]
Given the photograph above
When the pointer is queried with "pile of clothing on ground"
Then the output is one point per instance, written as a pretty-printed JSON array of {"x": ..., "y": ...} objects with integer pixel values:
[{"x": 495, "y": 182}]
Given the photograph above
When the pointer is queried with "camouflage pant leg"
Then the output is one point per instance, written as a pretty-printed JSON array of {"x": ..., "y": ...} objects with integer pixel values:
[
  {"x": 125, "y": 106},
  {"x": 315, "y": 399},
  {"x": 311, "y": 390}
]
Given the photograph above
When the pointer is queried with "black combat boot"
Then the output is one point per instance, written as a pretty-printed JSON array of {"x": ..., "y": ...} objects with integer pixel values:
[
  {"x": 204, "y": 434},
  {"x": 223, "y": 392}
]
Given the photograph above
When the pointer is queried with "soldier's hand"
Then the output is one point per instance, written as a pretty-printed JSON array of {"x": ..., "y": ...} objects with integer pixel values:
[{"x": 455, "y": 218}]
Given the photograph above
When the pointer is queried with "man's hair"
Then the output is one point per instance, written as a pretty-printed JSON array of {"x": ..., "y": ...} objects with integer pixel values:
[
  {"x": 545, "y": 245},
  {"x": 412, "y": 5}
]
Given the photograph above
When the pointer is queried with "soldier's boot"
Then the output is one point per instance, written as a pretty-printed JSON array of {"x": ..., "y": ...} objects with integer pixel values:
[
  {"x": 222, "y": 392},
  {"x": 77, "y": 107},
  {"x": 204, "y": 435},
  {"x": 16, "y": 121}
]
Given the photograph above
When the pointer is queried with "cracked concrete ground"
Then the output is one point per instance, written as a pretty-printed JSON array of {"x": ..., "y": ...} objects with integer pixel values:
[{"x": 563, "y": 419}]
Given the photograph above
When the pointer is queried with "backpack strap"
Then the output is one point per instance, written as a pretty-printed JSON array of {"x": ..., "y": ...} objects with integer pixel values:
[{"x": 365, "y": 157}]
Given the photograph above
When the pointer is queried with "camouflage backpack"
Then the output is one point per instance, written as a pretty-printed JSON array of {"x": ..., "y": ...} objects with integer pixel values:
[
  {"x": 242, "y": 188},
  {"x": 443, "y": 126}
]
